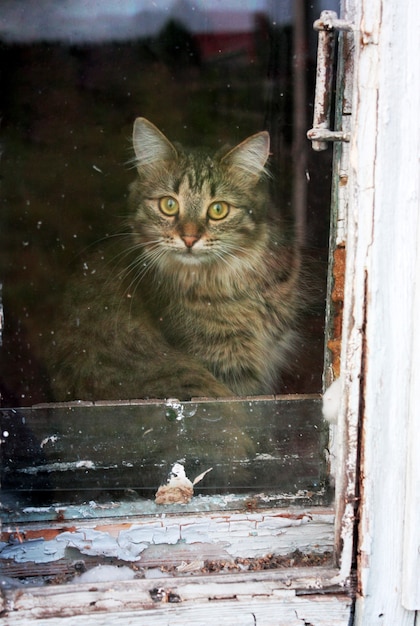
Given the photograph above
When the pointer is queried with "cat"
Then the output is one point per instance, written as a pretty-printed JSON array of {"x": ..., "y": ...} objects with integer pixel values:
[{"x": 201, "y": 295}]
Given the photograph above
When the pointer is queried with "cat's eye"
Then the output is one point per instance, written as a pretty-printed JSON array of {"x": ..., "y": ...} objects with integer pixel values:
[
  {"x": 168, "y": 205},
  {"x": 218, "y": 210}
]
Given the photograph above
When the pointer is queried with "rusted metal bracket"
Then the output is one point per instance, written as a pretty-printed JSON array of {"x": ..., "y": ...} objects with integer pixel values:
[{"x": 321, "y": 134}]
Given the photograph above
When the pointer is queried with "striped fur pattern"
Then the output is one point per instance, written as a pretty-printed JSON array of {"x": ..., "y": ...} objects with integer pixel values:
[{"x": 203, "y": 295}]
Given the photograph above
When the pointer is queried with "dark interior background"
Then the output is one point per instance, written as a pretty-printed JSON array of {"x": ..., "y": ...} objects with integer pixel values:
[{"x": 72, "y": 85}]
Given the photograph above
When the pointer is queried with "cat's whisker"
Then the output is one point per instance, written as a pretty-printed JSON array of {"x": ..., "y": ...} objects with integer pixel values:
[
  {"x": 226, "y": 257},
  {"x": 145, "y": 264},
  {"x": 144, "y": 267},
  {"x": 136, "y": 247},
  {"x": 133, "y": 267},
  {"x": 138, "y": 269},
  {"x": 228, "y": 246},
  {"x": 94, "y": 244}
]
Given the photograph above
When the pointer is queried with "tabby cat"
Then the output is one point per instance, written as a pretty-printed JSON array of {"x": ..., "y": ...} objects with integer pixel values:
[{"x": 201, "y": 296}]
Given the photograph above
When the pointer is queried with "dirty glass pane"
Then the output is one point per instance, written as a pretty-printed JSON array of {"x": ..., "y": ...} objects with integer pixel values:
[
  {"x": 74, "y": 77},
  {"x": 77, "y": 455}
]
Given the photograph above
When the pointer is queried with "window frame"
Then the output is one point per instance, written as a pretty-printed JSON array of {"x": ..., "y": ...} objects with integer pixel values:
[{"x": 313, "y": 594}]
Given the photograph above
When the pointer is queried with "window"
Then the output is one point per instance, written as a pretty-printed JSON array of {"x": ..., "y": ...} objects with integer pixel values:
[{"x": 81, "y": 479}]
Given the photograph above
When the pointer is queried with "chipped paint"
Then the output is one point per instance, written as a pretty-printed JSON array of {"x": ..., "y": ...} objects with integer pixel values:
[
  {"x": 57, "y": 467},
  {"x": 239, "y": 534}
]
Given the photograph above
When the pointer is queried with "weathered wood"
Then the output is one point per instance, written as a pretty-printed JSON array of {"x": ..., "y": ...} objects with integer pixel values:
[
  {"x": 285, "y": 610},
  {"x": 343, "y": 334},
  {"x": 411, "y": 546},
  {"x": 311, "y": 594},
  {"x": 237, "y": 534},
  {"x": 225, "y": 600},
  {"x": 381, "y": 320}
]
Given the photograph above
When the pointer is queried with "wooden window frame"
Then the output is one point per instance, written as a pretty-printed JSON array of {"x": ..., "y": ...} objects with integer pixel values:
[{"x": 315, "y": 594}]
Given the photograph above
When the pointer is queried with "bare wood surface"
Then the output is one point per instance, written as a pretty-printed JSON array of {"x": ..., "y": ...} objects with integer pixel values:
[{"x": 268, "y": 601}]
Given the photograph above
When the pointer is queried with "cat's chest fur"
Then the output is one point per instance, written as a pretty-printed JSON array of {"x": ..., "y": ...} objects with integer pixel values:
[
  {"x": 235, "y": 339},
  {"x": 231, "y": 318}
]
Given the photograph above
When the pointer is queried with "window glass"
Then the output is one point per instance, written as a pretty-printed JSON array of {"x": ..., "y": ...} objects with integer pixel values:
[
  {"x": 75, "y": 76},
  {"x": 105, "y": 454}
]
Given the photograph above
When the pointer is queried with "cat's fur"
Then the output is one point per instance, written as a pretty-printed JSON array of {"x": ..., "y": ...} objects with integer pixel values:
[{"x": 190, "y": 305}]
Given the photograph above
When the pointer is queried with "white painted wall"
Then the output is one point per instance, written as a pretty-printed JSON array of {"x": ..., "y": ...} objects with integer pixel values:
[{"x": 382, "y": 319}]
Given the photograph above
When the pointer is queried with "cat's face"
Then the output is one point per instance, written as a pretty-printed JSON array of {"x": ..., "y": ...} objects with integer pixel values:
[{"x": 191, "y": 208}]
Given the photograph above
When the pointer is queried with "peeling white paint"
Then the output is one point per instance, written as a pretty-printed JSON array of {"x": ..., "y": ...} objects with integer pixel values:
[
  {"x": 58, "y": 467},
  {"x": 241, "y": 535}
]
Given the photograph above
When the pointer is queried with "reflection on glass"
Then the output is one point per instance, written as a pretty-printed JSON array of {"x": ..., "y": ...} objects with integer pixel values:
[{"x": 205, "y": 75}]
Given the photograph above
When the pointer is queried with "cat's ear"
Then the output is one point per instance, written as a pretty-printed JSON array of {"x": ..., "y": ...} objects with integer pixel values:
[
  {"x": 150, "y": 145},
  {"x": 251, "y": 155}
]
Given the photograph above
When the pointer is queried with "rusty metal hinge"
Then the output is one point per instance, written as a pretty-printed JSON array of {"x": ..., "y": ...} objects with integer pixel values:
[{"x": 320, "y": 134}]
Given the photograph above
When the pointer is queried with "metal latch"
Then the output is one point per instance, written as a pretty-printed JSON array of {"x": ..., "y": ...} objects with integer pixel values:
[{"x": 320, "y": 134}]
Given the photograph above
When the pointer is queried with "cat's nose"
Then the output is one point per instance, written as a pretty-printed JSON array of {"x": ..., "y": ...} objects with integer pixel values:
[{"x": 190, "y": 240}]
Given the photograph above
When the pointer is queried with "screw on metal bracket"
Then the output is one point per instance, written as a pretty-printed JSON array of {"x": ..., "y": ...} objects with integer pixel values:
[{"x": 321, "y": 134}]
